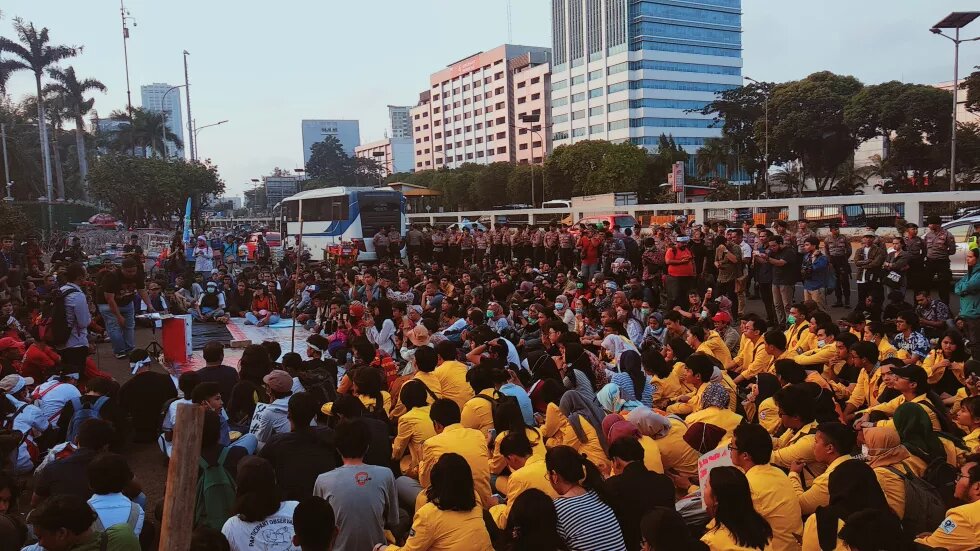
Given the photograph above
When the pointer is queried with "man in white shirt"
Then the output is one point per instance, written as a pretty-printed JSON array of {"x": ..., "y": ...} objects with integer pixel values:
[
  {"x": 108, "y": 476},
  {"x": 52, "y": 395},
  {"x": 28, "y": 419}
]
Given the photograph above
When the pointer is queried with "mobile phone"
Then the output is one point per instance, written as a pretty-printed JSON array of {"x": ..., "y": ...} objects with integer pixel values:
[{"x": 493, "y": 434}]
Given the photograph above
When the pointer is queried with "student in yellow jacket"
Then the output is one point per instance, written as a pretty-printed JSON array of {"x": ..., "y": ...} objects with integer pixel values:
[
  {"x": 797, "y": 409},
  {"x": 851, "y": 488},
  {"x": 414, "y": 428},
  {"x": 571, "y": 424},
  {"x": 960, "y": 530},
  {"x": 668, "y": 433},
  {"x": 834, "y": 443},
  {"x": 477, "y": 413},
  {"x": 735, "y": 524},
  {"x": 949, "y": 357},
  {"x": 772, "y": 492},
  {"x": 775, "y": 343},
  {"x": 890, "y": 461},
  {"x": 968, "y": 417},
  {"x": 824, "y": 353},
  {"x": 425, "y": 359},
  {"x": 452, "y": 374},
  {"x": 527, "y": 470},
  {"x": 874, "y": 331},
  {"x": 666, "y": 371},
  {"x": 710, "y": 343},
  {"x": 510, "y": 419},
  {"x": 452, "y": 519},
  {"x": 799, "y": 337},
  {"x": 752, "y": 358},
  {"x": 451, "y": 437},
  {"x": 912, "y": 382},
  {"x": 864, "y": 355}
]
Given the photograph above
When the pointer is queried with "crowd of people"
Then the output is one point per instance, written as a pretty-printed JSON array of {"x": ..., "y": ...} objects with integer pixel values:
[{"x": 523, "y": 389}]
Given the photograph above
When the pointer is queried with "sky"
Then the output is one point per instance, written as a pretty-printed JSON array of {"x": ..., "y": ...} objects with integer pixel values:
[{"x": 265, "y": 66}]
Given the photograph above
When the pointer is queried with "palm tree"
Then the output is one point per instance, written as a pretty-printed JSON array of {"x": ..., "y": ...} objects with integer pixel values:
[
  {"x": 148, "y": 131},
  {"x": 714, "y": 153},
  {"x": 72, "y": 92},
  {"x": 34, "y": 53}
]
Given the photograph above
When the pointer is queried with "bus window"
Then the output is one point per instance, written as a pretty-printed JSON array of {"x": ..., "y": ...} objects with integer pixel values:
[
  {"x": 379, "y": 209},
  {"x": 290, "y": 211}
]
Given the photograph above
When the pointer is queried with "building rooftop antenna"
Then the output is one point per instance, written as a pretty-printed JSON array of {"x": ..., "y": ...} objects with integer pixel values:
[{"x": 510, "y": 23}]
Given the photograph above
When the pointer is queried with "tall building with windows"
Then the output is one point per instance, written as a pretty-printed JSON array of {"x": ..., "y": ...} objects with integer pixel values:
[
  {"x": 152, "y": 97},
  {"x": 347, "y": 132},
  {"x": 401, "y": 121},
  {"x": 473, "y": 110},
  {"x": 631, "y": 69}
]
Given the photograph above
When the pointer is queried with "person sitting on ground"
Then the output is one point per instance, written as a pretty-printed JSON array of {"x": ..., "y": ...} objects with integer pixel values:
[
  {"x": 273, "y": 417},
  {"x": 65, "y": 522},
  {"x": 314, "y": 525},
  {"x": 651, "y": 489},
  {"x": 215, "y": 371},
  {"x": 300, "y": 455},
  {"x": 186, "y": 383},
  {"x": 261, "y": 519},
  {"x": 97, "y": 398},
  {"x": 735, "y": 524},
  {"x": 108, "y": 476},
  {"x": 264, "y": 309},
  {"x": 67, "y": 475},
  {"x": 208, "y": 396},
  {"x": 960, "y": 530},
  {"x": 833, "y": 444}
]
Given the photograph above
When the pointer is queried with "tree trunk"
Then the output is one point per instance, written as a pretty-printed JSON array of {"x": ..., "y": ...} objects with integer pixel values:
[
  {"x": 42, "y": 128},
  {"x": 82, "y": 156},
  {"x": 59, "y": 172}
]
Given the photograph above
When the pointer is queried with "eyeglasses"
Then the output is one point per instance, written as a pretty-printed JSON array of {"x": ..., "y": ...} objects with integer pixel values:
[{"x": 732, "y": 448}]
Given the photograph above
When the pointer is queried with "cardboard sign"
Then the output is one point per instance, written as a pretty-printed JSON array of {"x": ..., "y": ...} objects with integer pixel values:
[{"x": 720, "y": 457}]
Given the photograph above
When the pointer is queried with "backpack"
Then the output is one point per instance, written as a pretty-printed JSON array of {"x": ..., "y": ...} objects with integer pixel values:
[
  {"x": 942, "y": 476},
  {"x": 132, "y": 520},
  {"x": 54, "y": 327},
  {"x": 8, "y": 422},
  {"x": 495, "y": 402},
  {"x": 83, "y": 412},
  {"x": 924, "y": 506},
  {"x": 163, "y": 414},
  {"x": 215, "y": 493}
]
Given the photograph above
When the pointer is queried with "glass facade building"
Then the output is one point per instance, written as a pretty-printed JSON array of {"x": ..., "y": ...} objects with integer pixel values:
[{"x": 631, "y": 70}]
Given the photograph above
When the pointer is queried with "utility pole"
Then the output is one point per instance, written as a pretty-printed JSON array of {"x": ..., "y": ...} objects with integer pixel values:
[
  {"x": 190, "y": 125},
  {"x": 123, "y": 14},
  {"x": 6, "y": 163}
]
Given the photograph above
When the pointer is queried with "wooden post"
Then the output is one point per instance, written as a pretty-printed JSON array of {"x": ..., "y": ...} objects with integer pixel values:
[{"x": 182, "y": 474}]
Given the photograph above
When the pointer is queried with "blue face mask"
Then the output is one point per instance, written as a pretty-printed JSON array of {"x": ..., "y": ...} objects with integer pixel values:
[{"x": 559, "y": 306}]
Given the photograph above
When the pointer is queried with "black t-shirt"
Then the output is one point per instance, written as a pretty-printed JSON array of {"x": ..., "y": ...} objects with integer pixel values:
[
  {"x": 142, "y": 399},
  {"x": 225, "y": 376},
  {"x": 66, "y": 476},
  {"x": 124, "y": 288},
  {"x": 299, "y": 457},
  {"x": 379, "y": 451},
  {"x": 129, "y": 248}
]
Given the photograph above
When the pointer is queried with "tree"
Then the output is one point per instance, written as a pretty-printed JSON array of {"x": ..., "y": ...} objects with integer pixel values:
[
  {"x": 968, "y": 152},
  {"x": 365, "y": 172},
  {"x": 519, "y": 185},
  {"x": 329, "y": 162},
  {"x": 971, "y": 84},
  {"x": 742, "y": 113},
  {"x": 807, "y": 125},
  {"x": 715, "y": 153},
  {"x": 34, "y": 53},
  {"x": 147, "y": 131},
  {"x": 14, "y": 220},
  {"x": 72, "y": 92},
  {"x": 488, "y": 185}
]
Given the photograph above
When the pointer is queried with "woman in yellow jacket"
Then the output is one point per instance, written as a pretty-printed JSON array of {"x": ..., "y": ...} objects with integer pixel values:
[
  {"x": 510, "y": 419},
  {"x": 714, "y": 411},
  {"x": 735, "y": 525},
  {"x": 760, "y": 407},
  {"x": 573, "y": 424},
  {"x": 414, "y": 427},
  {"x": 667, "y": 371},
  {"x": 668, "y": 433},
  {"x": 890, "y": 460},
  {"x": 451, "y": 520},
  {"x": 853, "y": 487},
  {"x": 944, "y": 364},
  {"x": 615, "y": 427},
  {"x": 486, "y": 381}
]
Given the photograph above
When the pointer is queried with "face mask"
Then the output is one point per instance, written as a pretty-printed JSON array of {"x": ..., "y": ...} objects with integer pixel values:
[
  {"x": 703, "y": 314},
  {"x": 580, "y": 310},
  {"x": 524, "y": 313},
  {"x": 489, "y": 314},
  {"x": 791, "y": 319},
  {"x": 559, "y": 306},
  {"x": 644, "y": 312},
  {"x": 821, "y": 343}
]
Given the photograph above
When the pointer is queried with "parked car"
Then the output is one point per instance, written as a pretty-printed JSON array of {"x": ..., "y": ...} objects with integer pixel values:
[
  {"x": 272, "y": 238},
  {"x": 961, "y": 230}
]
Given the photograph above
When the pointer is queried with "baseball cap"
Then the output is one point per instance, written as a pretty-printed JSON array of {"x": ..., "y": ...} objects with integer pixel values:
[
  {"x": 913, "y": 373},
  {"x": 279, "y": 381},
  {"x": 12, "y": 384},
  {"x": 721, "y": 317}
]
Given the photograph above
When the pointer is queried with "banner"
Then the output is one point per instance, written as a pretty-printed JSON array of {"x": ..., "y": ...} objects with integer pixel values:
[
  {"x": 720, "y": 457},
  {"x": 187, "y": 228}
]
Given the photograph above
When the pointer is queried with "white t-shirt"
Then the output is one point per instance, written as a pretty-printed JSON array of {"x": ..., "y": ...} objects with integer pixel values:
[
  {"x": 169, "y": 420},
  {"x": 29, "y": 421},
  {"x": 114, "y": 509},
  {"x": 275, "y": 533},
  {"x": 53, "y": 397}
]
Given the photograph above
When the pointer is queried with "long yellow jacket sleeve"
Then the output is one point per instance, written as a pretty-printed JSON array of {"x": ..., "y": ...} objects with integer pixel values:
[
  {"x": 478, "y": 412},
  {"x": 797, "y": 446},
  {"x": 959, "y": 531},
  {"x": 436, "y": 530},
  {"x": 818, "y": 493},
  {"x": 817, "y": 356}
]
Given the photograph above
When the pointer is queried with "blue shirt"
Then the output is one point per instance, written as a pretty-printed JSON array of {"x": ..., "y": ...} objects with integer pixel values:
[
  {"x": 818, "y": 264},
  {"x": 523, "y": 400},
  {"x": 916, "y": 343},
  {"x": 77, "y": 316}
]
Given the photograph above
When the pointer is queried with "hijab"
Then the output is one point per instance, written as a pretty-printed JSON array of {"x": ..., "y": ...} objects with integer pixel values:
[
  {"x": 915, "y": 431},
  {"x": 610, "y": 398},
  {"x": 576, "y": 407},
  {"x": 884, "y": 446},
  {"x": 630, "y": 363},
  {"x": 715, "y": 394},
  {"x": 704, "y": 437},
  {"x": 615, "y": 427},
  {"x": 649, "y": 422}
]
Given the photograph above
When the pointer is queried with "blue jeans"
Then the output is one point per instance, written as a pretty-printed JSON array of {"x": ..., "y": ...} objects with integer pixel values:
[
  {"x": 252, "y": 319},
  {"x": 587, "y": 271},
  {"x": 123, "y": 337}
]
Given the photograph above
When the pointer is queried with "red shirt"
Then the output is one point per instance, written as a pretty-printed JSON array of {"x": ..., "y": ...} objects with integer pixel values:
[
  {"x": 680, "y": 270},
  {"x": 590, "y": 250},
  {"x": 39, "y": 363}
]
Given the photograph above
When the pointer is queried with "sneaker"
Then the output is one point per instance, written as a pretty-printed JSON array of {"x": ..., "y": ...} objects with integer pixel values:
[{"x": 121, "y": 356}]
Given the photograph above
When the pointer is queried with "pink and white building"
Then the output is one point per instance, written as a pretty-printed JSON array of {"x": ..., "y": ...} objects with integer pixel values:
[{"x": 472, "y": 111}]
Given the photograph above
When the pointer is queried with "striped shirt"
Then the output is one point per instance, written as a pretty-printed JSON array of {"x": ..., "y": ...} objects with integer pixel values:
[{"x": 586, "y": 523}]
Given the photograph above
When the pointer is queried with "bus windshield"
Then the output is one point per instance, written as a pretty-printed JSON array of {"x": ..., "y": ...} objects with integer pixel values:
[{"x": 379, "y": 209}]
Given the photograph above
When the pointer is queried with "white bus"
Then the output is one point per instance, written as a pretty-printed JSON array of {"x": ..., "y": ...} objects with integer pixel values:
[{"x": 338, "y": 214}]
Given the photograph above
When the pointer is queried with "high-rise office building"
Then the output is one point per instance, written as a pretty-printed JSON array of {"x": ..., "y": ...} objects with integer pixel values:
[
  {"x": 472, "y": 111},
  {"x": 153, "y": 100},
  {"x": 347, "y": 132},
  {"x": 631, "y": 69},
  {"x": 401, "y": 121}
]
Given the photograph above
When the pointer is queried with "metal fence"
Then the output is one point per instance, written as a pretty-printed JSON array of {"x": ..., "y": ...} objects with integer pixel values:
[{"x": 853, "y": 215}]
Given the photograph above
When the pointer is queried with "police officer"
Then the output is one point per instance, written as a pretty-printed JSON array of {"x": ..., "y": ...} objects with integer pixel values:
[
  {"x": 838, "y": 250},
  {"x": 939, "y": 246}
]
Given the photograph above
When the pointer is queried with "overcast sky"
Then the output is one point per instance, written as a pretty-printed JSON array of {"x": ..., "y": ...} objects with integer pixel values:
[{"x": 265, "y": 66}]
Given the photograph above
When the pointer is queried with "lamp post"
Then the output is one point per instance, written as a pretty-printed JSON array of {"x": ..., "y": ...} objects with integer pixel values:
[
  {"x": 6, "y": 164},
  {"x": 531, "y": 119},
  {"x": 197, "y": 129},
  {"x": 377, "y": 154},
  {"x": 163, "y": 110},
  {"x": 956, "y": 20},
  {"x": 766, "y": 174},
  {"x": 190, "y": 126},
  {"x": 124, "y": 14}
]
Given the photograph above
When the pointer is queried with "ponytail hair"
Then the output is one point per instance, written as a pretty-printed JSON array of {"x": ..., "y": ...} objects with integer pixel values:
[
  {"x": 576, "y": 469},
  {"x": 369, "y": 382}
]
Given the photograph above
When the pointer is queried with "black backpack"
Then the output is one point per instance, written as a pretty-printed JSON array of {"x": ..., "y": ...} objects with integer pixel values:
[
  {"x": 924, "y": 505},
  {"x": 57, "y": 331}
]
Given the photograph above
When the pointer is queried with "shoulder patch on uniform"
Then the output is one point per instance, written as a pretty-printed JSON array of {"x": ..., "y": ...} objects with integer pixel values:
[{"x": 947, "y": 526}]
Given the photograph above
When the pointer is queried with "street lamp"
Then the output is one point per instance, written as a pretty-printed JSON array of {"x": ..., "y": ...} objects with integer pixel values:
[
  {"x": 956, "y": 20},
  {"x": 6, "y": 164},
  {"x": 163, "y": 110},
  {"x": 384, "y": 163},
  {"x": 198, "y": 129},
  {"x": 766, "y": 90},
  {"x": 531, "y": 119}
]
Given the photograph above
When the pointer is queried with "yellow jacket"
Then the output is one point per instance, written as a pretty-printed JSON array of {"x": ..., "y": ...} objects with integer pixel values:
[
  {"x": 890, "y": 406},
  {"x": 811, "y": 540},
  {"x": 558, "y": 431},
  {"x": 534, "y": 474},
  {"x": 452, "y": 381},
  {"x": 429, "y": 380},
  {"x": 893, "y": 486},
  {"x": 866, "y": 390},
  {"x": 477, "y": 413},
  {"x": 769, "y": 415},
  {"x": 715, "y": 347},
  {"x": 675, "y": 453},
  {"x": 755, "y": 359},
  {"x": 775, "y": 499},
  {"x": 719, "y": 538},
  {"x": 786, "y": 355},
  {"x": 436, "y": 530},
  {"x": 693, "y": 403},
  {"x": 817, "y": 357},
  {"x": 798, "y": 445},
  {"x": 817, "y": 494},
  {"x": 886, "y": 350},
  {"x": 469, "y": 443},
  {"x": 666, "y": 390},
  {"x": 959, "y": 531},
  {"x": 724, "y": 418},
  {"x": 414, "y": 428},
  {"x": 935, "y": 372},
  {"x": 972, "y": 440},
  {"x": 497, "y": 461},
  {"x": 799, "y": 339}
]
